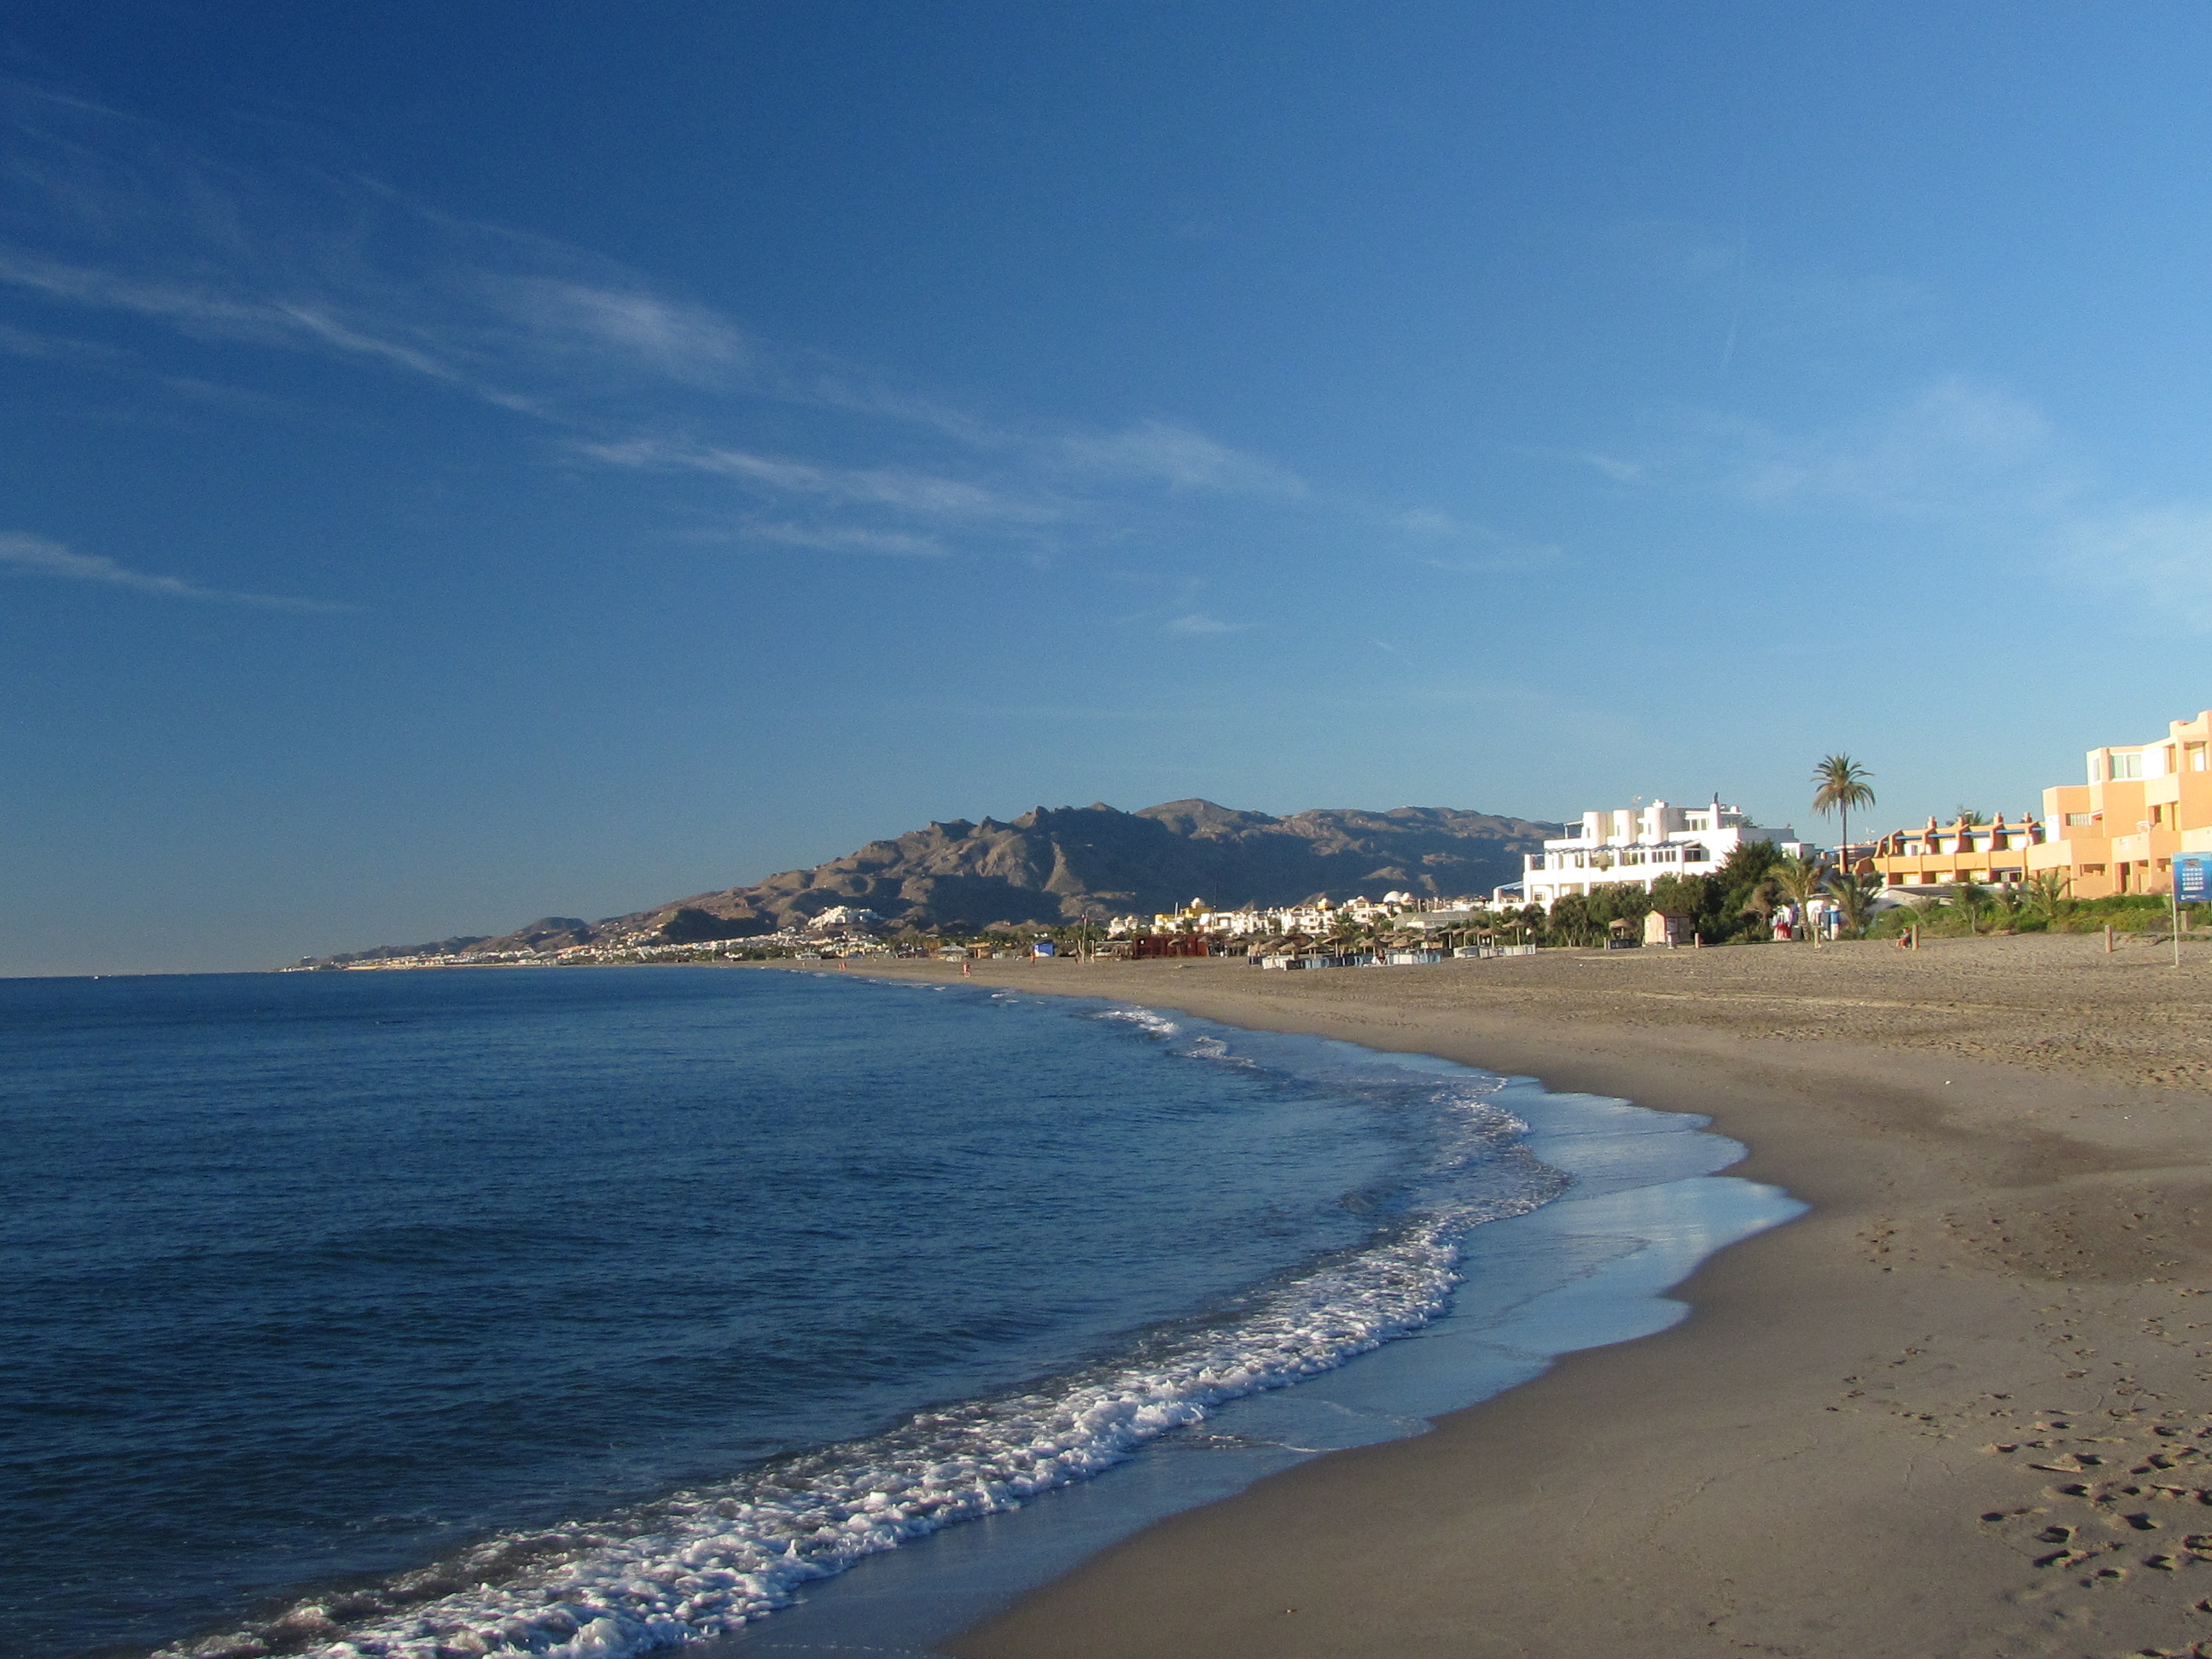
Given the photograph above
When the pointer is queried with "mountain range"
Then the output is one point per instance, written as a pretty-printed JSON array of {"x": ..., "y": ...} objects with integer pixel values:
[{"x": 1054, "y": 864}]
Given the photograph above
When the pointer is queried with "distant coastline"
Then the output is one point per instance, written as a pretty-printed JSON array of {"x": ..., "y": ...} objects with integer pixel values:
[{"x": 1053, "y": 867}]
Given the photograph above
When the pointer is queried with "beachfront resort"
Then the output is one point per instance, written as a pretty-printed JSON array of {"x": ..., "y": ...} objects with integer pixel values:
[
  {"x": 1635, "y": 846},
  {"x": 2116, "y": 833}
]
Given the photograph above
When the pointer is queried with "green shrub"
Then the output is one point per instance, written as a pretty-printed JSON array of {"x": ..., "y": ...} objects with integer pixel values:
[
  {"x": 1722, "y": 915},
  {"x": 1893, "y": 921}
]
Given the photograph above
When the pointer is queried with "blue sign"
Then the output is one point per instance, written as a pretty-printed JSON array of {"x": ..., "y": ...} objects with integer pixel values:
[
  {"x": 2193, "y": 878},
  {"x": 1045, "y": 947}
]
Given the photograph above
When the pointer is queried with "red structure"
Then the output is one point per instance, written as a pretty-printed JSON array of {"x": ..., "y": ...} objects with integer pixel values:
[{"x": 1170, "y": 944}]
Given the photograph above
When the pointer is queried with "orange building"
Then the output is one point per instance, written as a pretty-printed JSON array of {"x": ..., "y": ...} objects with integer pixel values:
[
  {"x": 1941, "y": 854},
  {"x": 2143, "y": 803},
  {"x": 2117, "y": 833}
]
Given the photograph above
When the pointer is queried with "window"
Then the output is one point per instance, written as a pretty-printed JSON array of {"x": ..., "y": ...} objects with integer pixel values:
[
  {"x": 2127, "y": 767},
  {"x": 2081, "y": 820},
  {"x": 1693, "y": 854}
]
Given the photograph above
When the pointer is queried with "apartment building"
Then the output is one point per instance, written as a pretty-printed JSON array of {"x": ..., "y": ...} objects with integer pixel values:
[
  {"x": 2142, "y": 804},
  {"x": 1941, "y": 854},
  {"x": 1637, "y": 845}
]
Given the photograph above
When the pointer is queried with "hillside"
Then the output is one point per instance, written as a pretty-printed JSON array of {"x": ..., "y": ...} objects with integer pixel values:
[{"x": 1054, "y": 862}]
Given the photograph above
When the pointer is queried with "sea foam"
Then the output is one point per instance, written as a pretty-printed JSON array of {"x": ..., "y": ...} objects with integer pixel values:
[{"x": 705, "y": 1561}]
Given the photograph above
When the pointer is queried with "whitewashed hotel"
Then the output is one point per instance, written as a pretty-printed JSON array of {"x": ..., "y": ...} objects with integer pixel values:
[{"x": 1637, "y": 845}]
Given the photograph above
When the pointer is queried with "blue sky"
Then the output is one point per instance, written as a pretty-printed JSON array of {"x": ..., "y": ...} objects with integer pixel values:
[{"x": 461, "y": 462}]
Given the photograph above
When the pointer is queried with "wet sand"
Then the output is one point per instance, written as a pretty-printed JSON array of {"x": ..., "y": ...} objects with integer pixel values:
[{"x": 1963, "y": 1407}]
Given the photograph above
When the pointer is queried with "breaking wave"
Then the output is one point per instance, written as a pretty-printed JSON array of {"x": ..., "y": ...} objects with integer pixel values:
[{"x": 705, "y": 1561}]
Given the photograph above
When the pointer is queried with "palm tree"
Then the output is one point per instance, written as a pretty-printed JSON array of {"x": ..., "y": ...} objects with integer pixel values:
[
  {"x": 1843, "y": 783},
  {"x": 2050, "y": 895},
  {"x": 2009, "y": 903},
  {"x": 1798, "y": 881}
]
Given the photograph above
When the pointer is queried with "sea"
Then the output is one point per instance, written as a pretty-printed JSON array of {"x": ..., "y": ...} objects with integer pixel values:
[{"x": 603, "y": 1311}]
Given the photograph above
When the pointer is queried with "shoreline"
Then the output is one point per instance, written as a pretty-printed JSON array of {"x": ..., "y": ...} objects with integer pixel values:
[
  {"x": 2006, "y": 1177},
  {"x": 1650, "y": 1196}
]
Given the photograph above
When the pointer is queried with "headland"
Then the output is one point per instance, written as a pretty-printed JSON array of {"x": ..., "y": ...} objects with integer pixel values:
[{"x": 1962, "y": 1407}]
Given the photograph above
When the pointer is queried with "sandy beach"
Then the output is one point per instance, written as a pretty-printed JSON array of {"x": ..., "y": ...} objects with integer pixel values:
[{"x": 1962, "y": 1407}]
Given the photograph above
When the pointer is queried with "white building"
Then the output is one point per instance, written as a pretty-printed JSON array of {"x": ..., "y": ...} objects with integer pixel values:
[
  {"x": 1637, "y": 845},
  {"x": 846, "y": 918},
  {"x": 1313, "y": 921}
]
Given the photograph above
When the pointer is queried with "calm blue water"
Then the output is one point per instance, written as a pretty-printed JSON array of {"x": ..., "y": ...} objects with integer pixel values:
[{"x": 581, "y": 1311}]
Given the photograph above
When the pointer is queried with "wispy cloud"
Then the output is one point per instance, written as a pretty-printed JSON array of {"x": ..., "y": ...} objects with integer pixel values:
[
  {"x": 1955, "y": 444},
  {"x": 917, "y": 493},
  {"x": 1198, "y": 622},
  {"x": 55, "y": 348},
  {"x": 1973, "y": 462},
  {"x": 845, "y": 538},
  {"x": 1443, "y": 541},
  {"x": 108, "y": 213},
  {"x": 1176, "y": 455},
  {"x": 227, "y": 396},
  {"x": 115, "y": 215},
  {"x": 2161, "y": 558},
  {"x": 1753, "y": 299},
  {"x": 1953, "y": 447},
  {"x": 1615, "y": 467},
  {"x": 34, "y": 556},
  {"x": 683, "y": 341}
]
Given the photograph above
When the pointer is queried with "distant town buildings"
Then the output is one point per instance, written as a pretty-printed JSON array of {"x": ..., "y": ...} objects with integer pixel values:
[
  {"x": 846, "y": 919},
  {"x": 1312, "y": 920},
  {"x": 1637, "y": 845},
  {"x": 1633, "y": 846}
]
